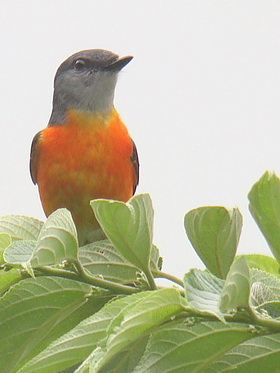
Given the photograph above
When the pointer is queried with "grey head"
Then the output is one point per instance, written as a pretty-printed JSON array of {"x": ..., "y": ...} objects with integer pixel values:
[{"x": 86, "y": 81}]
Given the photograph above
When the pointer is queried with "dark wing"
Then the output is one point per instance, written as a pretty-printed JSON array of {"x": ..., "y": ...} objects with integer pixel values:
[
  {"x": 135, "y": 162},
  {"x": 34, "y": 157}
]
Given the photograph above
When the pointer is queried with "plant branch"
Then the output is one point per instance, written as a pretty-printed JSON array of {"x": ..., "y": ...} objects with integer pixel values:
[
  {"x": 264, "y": 322},
  {"x": 167, "y": 276},
  {"x": 81, "y": 275},
  {"x": 249, "y": 318}
]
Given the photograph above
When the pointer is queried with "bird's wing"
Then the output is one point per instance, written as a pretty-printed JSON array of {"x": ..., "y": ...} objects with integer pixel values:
[
  {"x": 34, "y": 157},
  {"x": 135, "y": 162}
]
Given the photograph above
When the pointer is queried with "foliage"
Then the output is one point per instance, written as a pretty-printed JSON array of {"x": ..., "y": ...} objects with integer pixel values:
[{"x": 98, "y": 308}]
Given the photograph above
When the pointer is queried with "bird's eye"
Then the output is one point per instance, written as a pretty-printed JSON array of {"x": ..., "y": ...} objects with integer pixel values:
[{"x": 79, "y": 65}]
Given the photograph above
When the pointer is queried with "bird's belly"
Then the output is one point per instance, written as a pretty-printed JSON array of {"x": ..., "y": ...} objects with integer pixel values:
[{"x": 74, "y": 170}]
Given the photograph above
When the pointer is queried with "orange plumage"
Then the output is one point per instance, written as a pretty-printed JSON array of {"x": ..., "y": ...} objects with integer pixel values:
[{"x": 89, "y": 155}]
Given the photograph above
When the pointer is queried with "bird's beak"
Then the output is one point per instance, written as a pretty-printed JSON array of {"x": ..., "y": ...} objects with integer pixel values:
[{"x": 118, "y": 64}]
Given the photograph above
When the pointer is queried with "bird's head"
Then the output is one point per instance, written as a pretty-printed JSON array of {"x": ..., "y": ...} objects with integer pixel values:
[{"x": 86, "y": 81}]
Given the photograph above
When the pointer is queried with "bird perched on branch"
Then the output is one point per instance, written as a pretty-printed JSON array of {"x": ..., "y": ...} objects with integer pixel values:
[{"x": 85, "y": 152}]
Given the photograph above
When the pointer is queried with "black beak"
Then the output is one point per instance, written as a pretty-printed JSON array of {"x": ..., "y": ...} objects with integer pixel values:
[{"x": 118, "y": 64}]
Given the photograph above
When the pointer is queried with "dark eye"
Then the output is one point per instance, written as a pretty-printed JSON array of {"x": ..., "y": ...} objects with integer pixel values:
[{"x": 79, "y": 65}]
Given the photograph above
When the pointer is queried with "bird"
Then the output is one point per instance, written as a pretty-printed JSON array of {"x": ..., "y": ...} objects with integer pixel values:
[{"x": 85, "y": 152}]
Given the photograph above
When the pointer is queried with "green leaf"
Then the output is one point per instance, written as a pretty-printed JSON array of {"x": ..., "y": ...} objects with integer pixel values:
[
  {"x": 34, "y": 312},
  {"x": 260, "y": 294},
  {"x": 214, "y": 233},
  {"x": 180, "y": 347},
  {"x": 258, "y": 355},
  {"x": 8, "y": 278},
  {"x": 102, "y": 259},
  {"x": 203, "y": 291},
  {"x": 129, "y": 226},
  {"x": 127, "y": 359},
  {"x": 5, "y": 241},
  {"x": 272, "y": 282},
  {"x": 236, "y": 291},
  {"x": 81, "y": 340},
  {"x": 156, "y": 259},
  {"x": 19, "y": 253},
  {"x": 264, "y": 206},
  {"x": 20, "y": 227},
  {"x": 57, "y": 240},
  {"x": 271, "y": 309},
  {"x": 135, "y": 322},
  {"x": 264, "y": 263}
]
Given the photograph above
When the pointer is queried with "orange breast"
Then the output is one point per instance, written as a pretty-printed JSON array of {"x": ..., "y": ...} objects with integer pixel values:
[{"x": 86, "y": 158}]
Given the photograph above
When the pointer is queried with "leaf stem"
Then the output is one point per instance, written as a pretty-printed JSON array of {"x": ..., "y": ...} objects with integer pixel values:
[
  {"x": 264, "y": 322},
  {"x": 249, "y": 317},
  {"x": 150, "y": 279},
  {"x": 99, "y": 282},
  {"x": 167, "y": 276},
  {"x": 81, "y": 275}
]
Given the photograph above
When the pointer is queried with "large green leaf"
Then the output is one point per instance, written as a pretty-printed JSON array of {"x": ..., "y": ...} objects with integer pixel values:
[
  {"x": 180, "y": 347},
  {"x": 135, "y": 322},
  {"x": 34, "y": 312},
  {"x": 19, "y": 253},
  {"x": 129, "y": 226},
  {"x": 7, "y": 278},
  {"x": 20, "y": 227},
  {"x": 263, "y": 262},
  {"x": 236, "y": 291},
  {"x": 264, "y": 206},
  {"x": 102, "y": 259},
  {"x": 214, "y": 233},
  {"x": 203, "y": 291},
  {"x": 57, "y": 240},
  {"x": 258, "y": 355},
  {"x": 81, "y": 340},
  {"x": 128, "y": 358}
]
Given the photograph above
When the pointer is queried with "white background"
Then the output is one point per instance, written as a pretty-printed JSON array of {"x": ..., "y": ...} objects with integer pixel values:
[{"x": 200, "y": 99}]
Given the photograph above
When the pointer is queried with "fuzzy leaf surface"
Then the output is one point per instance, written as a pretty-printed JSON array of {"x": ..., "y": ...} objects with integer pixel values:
[
  {"x": 127, "y": 359},
  {"x": 19, "y": 253},
  {"x": 8, "y": 278},
  {"x": 82, "y": 339},
  {"x": 258, "y": 355},
  {"x": 102, "y": 259},
  {"x": 214, "y": 233},
  {"x": 129, "y": 226},
  {"x": 57, "y": 240},
  {"x": 135, "y": 322},
  {"x": 264, "y": 206},
  {"x": 236, "y": 291},
  {"x": 34, "y": 312},
  {"x": 260, "y": 294},
  {"x": 20, "y": 227},
  {"x": 5, "y": 241},
  {"x": 263, "y": 262},
  {"x": 272, "y": 282},
  {"x": 180, "y": 347},
  {"x": 203, "y": 291}
]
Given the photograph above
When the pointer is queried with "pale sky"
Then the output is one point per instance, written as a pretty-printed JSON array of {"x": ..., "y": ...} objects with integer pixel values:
[{"x": 200, "y": 99}]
